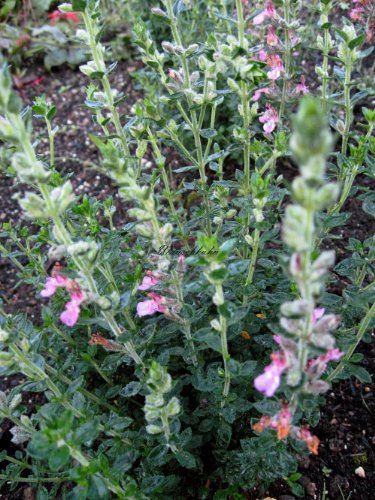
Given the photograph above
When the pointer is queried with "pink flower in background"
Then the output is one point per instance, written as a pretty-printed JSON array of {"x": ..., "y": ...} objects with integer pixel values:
[
  {"x": 269, "y": 381},
  {"x": 56, "y": 15},
  {"x": 181, "y": 265},
  {"x": 151, "y": 279},
  {"x": 149, "y": 307},
  {"x": 317, "y": 314},
  {"x": 268, "y": 12},
  {"x": 356, "y": 14},
  {"x": 262, "y": 55},
  {"x": 301, "y": 88},
  {"x": 283, "y": 422},
  {"x": 312, "y": 441},
  {"x": 272, "y": 38},
  {"x": 269, "y": 118},
  {"x": 72, "y": 308},
  {"x": 275, "y": 62},
  {"x": 258, "y": 93},
  {"x": 331, "y": 355}
]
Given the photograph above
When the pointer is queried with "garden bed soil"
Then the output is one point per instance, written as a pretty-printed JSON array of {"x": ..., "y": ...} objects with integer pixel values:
[{"x": 347, "y": 424}]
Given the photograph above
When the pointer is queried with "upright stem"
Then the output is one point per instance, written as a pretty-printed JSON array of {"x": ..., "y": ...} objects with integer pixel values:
[
  {"x": 361, "y": 331},
  {"x": 348, "y": 108},
  {"x": 98, "y": 57},
  {"x": 325, "y": 69},
  {"x": 51, "y": 139},
  {"x": 286, "y": 7},
  {"x": 161, "y": 164},
  {"x": 254, "y": 256},
  {"x": 240, "y": 23},
  {"x": 224, "y": 349},
  {"x": 194, "y": 123},
  {"x": 305, "y": 289}
]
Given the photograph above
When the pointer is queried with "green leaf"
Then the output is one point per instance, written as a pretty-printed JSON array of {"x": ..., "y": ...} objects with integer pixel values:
[
  {"x": 356, "y": 42},
  {"x": 360, "y": 373},
  {"x": 58, "y": 457},
  {"x": 79, "y": 5},
  {"x": 186, "y": 459},
  {"x": 131, "y": 389},
  {"x": 368, "y": 204},
  {"x": 208, "y": 133},
  {"x": 55, "y": 58}
]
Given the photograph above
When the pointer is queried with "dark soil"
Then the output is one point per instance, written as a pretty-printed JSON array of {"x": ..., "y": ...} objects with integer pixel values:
[{"x": 347, "y": 426}]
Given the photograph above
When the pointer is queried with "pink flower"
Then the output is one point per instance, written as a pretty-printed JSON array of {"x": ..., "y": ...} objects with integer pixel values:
[
  {"x": 181, "y": 265},
  {"x": 269, "y": 118},
  {"x": 356, "y": 14},
  {"x": 272, "y": 39},
  {"x": 149, "y": 280},
  {"x": 269, "y": 11},
  {"x": 258, "y": 93},
  {"x": 317, "y": 314},
  {"x": 269, "y": 381},
  {"x": 301, "y": 88},
  {"x": 262, "y": 55},
  {"x": 283, "y": 422},
  {"x": 277, "y": 338},
  {"x": 56, "y": 15},
  {"x": 72, "y": 308},
  {"x": 331, "y": 355},
  {"x": 70, "y": 316},
  {"x": 312, "y": 441},
  {"x": 276, "y": 64},
  {"x": 54, "y": 282},
  {"x": 149, "y": 307}
]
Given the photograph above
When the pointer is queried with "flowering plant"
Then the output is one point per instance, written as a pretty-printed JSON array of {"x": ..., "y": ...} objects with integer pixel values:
[{"x": 157, "y": 370}]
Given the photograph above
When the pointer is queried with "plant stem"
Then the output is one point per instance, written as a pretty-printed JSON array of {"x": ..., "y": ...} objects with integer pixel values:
[
  {"x": 361, "y": 331},
  {"x": 348, "y": 108},
  {"x": 286, "y": 8},
  {"x": 325, "y": 69},
  {"x": 253, "y": 259},
  {"x": 51, "y": 139},
  {"x": 161, "y": 165},
  {"x": 97, "y": 54},
  {"x": 194, "y": 124},
  {"x": 240, "y": 23},
  {"x": 224, "y": 348},
  {"x": 34, "y": 479}
]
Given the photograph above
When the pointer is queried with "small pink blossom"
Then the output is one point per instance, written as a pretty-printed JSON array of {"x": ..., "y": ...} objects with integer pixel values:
[
  {"x": 268, "y": 12},
  {"x": 262, "y": 55},
  {"x": 301, "y": 88},
  {"x": 317, "y": 314},
  {"x": 277, "y": 338},
  {"x": 269, "y": 118},
  {"x": 151, "y": 279},
  {"x": 275, "y": 62},
  {"x": 258, "y": 93},
  {"x": 181, "y": 265},
  {"x": 72, "y": 308},
  {"x": 53, "y": 283},
  {"x": 269, "y": 381},
  {"x": 149, "y": 307},
  {"x": 331, "y": 355},
  {"x": 272, "y": 38},
  {"x": 356, "y": 14},
  {"x": 71, "y": 314}
]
